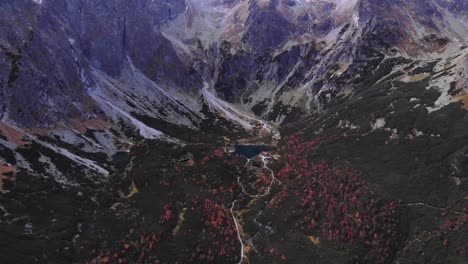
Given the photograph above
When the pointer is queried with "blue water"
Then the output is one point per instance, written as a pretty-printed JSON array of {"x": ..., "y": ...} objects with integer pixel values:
[
  {"x": 120, "y": 156},
  {"x": 251, "y": 151}
]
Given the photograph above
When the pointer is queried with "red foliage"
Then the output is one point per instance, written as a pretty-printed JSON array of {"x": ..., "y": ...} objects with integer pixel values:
[
  {"x": 167, "y": 214},
  {"x": 140, "y": 250},
  {"x": 452, "y": 225},
  {"x": 220, "y": 241},
  {"x": 218, "y": 154},
  {"x": 334, "y": 202}
]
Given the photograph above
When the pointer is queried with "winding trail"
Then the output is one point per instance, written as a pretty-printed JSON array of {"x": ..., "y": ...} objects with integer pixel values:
[
  {"x": 435, "y": 208},
  {"x": 245, "y": 193},
  {"x": 242, "y": 256},
  {"x": 248, "y": 122}
]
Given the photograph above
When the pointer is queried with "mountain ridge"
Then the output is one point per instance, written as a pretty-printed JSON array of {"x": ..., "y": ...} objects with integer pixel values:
[{"x": 120, "y": 124}]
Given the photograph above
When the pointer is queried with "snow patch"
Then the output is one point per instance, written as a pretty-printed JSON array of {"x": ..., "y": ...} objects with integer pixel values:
[
  {"x": 379, "y": 123},
  {"x": 347, "y": 124}
]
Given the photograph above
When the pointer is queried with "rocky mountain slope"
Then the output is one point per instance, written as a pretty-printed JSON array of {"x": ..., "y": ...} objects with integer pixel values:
[
  {"x": 118, "y": 119},
  {"x": 280, "y": 57}
]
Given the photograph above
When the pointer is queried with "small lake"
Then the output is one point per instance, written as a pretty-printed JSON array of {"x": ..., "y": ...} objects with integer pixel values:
[
  {"x": 120, "y": 156},
  {"x": 251, "y": 151}
]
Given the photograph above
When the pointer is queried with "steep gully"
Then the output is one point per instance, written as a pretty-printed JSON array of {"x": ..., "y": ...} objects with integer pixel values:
[{"x": 233, "y": 113}]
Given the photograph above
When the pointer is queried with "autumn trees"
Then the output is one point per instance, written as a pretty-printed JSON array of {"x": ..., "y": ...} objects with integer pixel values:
[{"x": 334, "y": 203}]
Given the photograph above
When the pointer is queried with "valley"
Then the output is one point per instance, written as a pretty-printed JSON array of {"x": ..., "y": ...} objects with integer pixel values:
[{"x": 234, "y": 131}]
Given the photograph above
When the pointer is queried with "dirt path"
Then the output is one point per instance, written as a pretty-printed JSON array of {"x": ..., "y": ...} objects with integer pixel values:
[{"x": 265, "y": 161}]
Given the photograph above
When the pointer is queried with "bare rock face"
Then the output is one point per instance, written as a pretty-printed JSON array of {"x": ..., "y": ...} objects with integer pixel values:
[
  {"x": 267, "y": 27},
  {"x": 110, "y": 31},
  {"x": 50, "y": 47},
  {"x": 132, "y": 32},
  {"x": 292, "y": 56},
  {"x": 41, "y": 82},
  {"x": 296, "y": 54}
]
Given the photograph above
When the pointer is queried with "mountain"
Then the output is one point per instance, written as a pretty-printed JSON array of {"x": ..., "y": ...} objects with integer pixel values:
[
  {"x": 260, "y": 54},
  {"x": 127, "y": 122}
]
